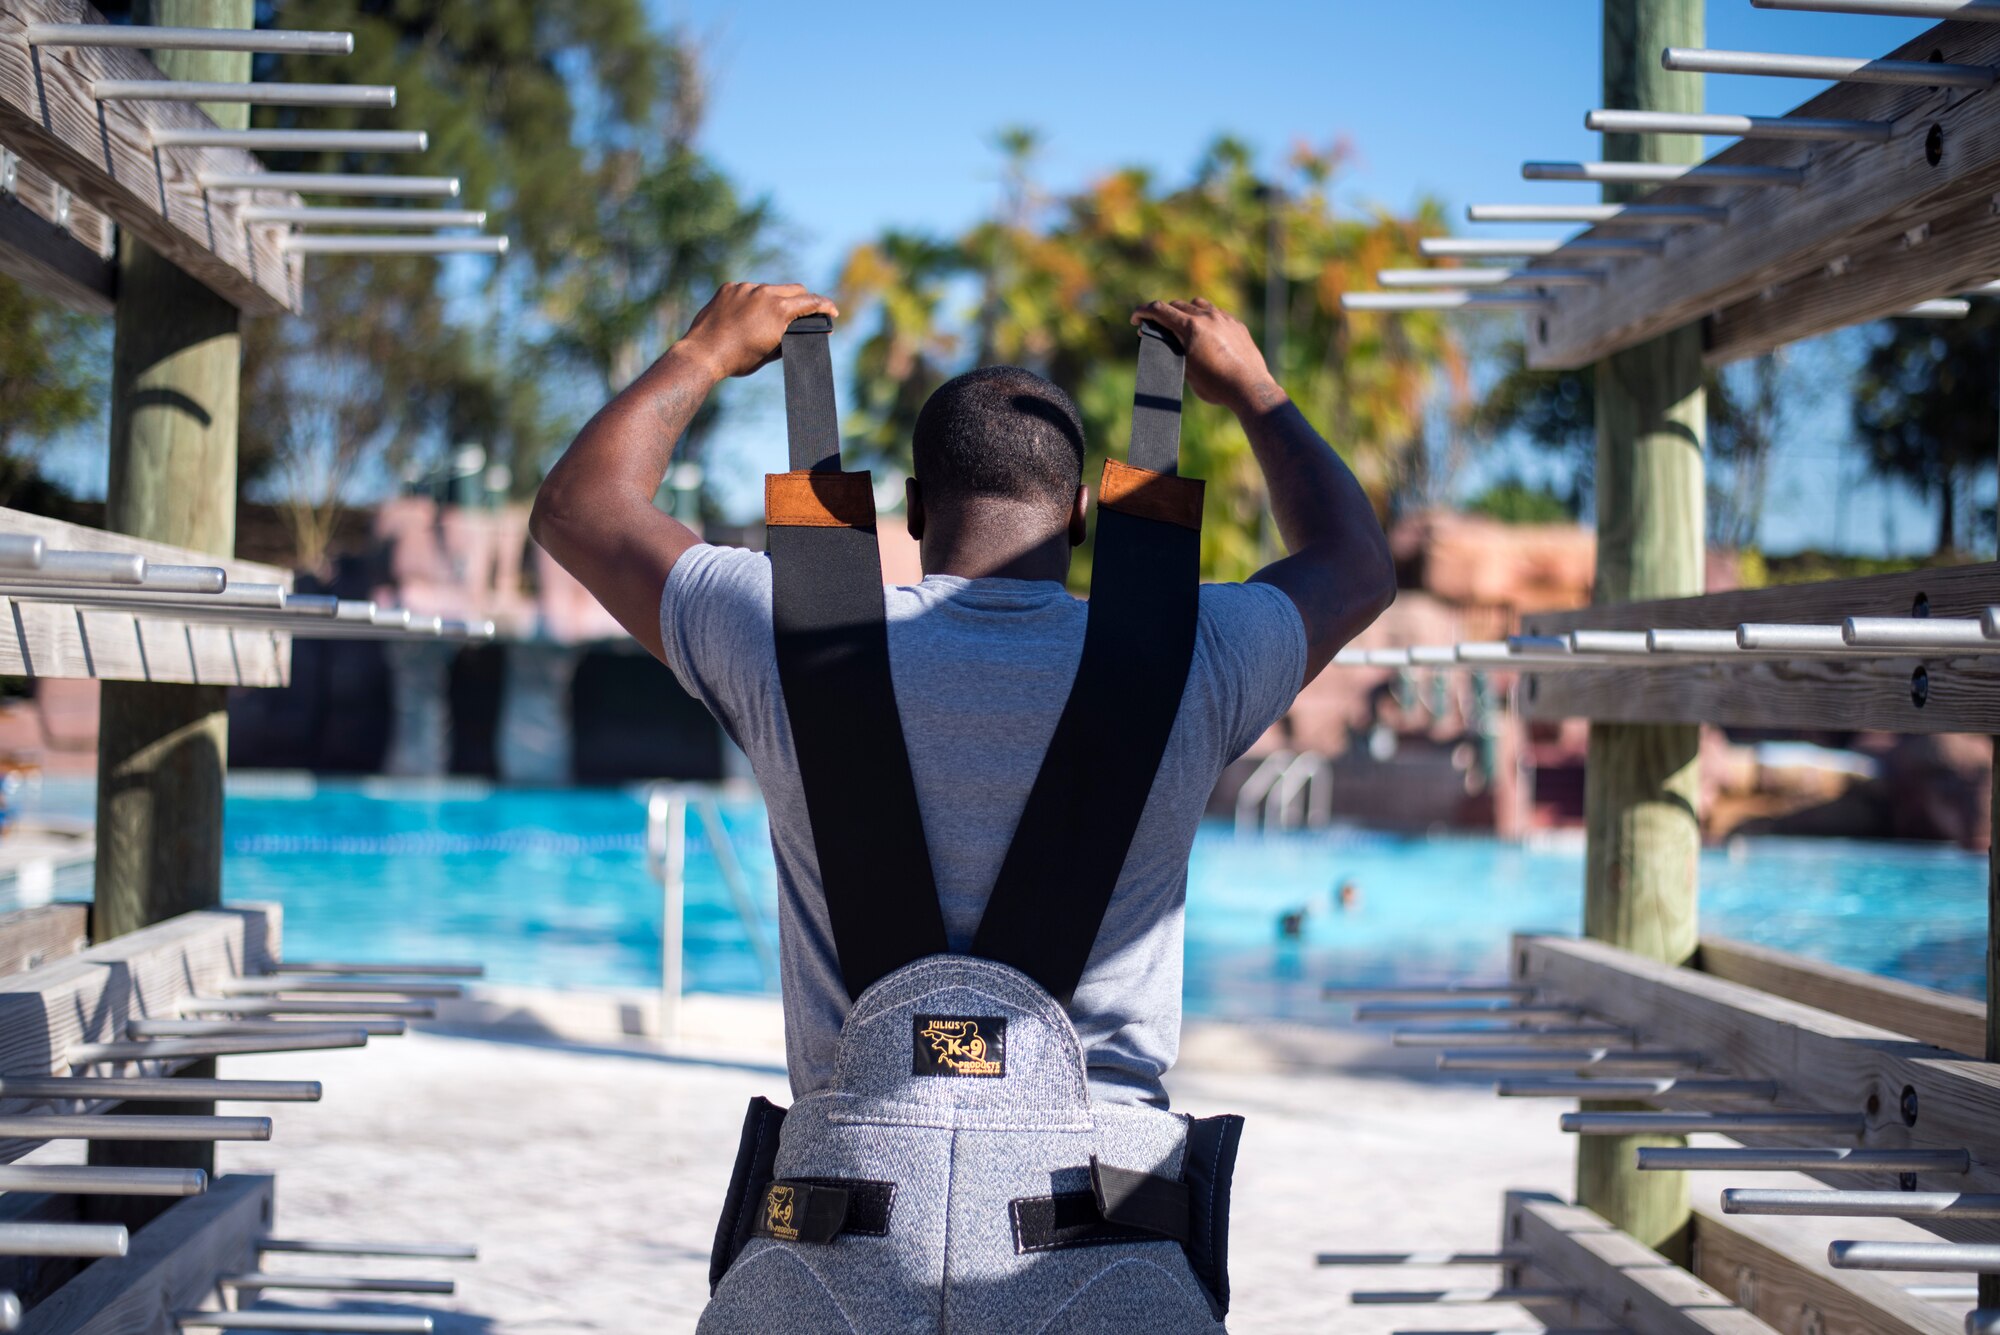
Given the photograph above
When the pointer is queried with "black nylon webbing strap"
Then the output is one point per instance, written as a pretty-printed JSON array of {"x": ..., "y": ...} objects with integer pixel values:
[
  {"x": 1156, "y": 402},
  {"x": 832, "y": 642},
  {"x": 1059, "y": 873}
]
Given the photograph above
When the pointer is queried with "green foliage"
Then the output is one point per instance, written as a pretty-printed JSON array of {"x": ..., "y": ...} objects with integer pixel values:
[
  {"x": 1927, "y": 406},
  {"x": 1512, "y": 501},
  {"x": 1813, "y": 567},
  {"x": 53, "y": 364},
  {"x": 1058, "y": 276}
]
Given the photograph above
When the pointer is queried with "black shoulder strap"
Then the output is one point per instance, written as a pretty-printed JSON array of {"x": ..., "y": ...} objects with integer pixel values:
[
  {"x": 833, "y": 665},
  {"x": 1084, "y": 809}
]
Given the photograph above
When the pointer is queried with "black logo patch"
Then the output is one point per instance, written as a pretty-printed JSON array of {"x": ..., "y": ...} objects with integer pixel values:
[{"x": 967, "y": 1045}]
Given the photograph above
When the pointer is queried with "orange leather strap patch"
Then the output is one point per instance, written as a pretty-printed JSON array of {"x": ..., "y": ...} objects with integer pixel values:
[
  {"x": 819, "y": 500},
  {"x": 1150, "y": 495}
]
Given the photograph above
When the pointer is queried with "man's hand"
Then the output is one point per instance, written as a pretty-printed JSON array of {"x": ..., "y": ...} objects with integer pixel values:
[
  {"x": 1223, "y": 364},
  {"x": 741, "y": 328}
]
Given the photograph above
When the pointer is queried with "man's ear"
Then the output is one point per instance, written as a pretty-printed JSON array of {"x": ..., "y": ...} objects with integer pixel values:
[
  {"x": 913, "y": 509},
  {"x": 1077, "y": 527}
]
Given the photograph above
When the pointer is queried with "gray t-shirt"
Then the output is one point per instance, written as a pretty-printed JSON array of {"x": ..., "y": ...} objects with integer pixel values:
[{"x": 982, "y": 669}]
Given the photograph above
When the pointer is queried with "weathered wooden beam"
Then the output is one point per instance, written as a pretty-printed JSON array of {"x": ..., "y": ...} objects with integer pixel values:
[
  {"x": 56, "y": 640},
  {"x": 1778, "y": 1272},
  {"x": 1953, "y": 252},
  {"x": 1946, "y": 156},
  {"x": 1886, "y": 694},
  {"x": 1636, "y": 1287},
  {"x": 41, "y": 935},
  {"x": 89, "y": 997},
  {"x": 103, "y": 152},
  {"x": 1913, "y": 1095},
  {"x": 172, "y": 1264},
  {"x": 1925, "y": 1014},
  {"x": 52, "y": 242}
]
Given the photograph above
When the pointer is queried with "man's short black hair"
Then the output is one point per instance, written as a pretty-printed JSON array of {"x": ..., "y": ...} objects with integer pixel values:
[{"x": 999, "y": 431}]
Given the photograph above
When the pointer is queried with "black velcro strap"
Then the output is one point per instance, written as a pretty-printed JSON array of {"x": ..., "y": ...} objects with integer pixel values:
[
  {"x": 1145, "y": 599},
  {"x": 1156, "y": 402},
  {"x": 1067, "y": 1219},
  {"x": 832, "y": 640},
  {"x": 756, "y": 1156},
  {"x": 1159, "y": 1205},
  {"x": 869, "y": 1203},
  {"x": 1210, "y": 1165}
]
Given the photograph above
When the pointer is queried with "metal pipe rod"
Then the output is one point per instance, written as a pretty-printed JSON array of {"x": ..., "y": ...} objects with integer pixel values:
[
  {"x": 258, "y": 94},
  {"x": 91, "y": 1126},
  {"x": 1848, "y": 69},
  {"x": 188, "y": 1049},
  {"x": 1530, "y": 248},
  {"x": 1783, "y": 638},
  {"x": 1457, "y": 1297},
  {"x": 1580, "y": 1038},
  {"x": 1719, "y": 644},
  {"x": 312, "y": 216},
  {"x": 1446, "y": 992},
  {"x": 1742, "y": 127},
  {"x": 137, "y": 1089},
  {"x": 96, "y": 1180},
  {"x": 90, "y": 567},
  {"x": 1511, "y": 1257},
  {"x": 10, "y": 1311},
  {"x": 62, "y": 1240},
  {"x": 1979, "y": 1257},
  {"x": 337, "y": 1283},
  {"x": 1499, "y": 1061},
  {"x": 145, "y": 599},
  {"x": 1609, "y": 642},
  {"x": 20, "y": 551},
  {"x": 334, "y": 183},
  {"x": 391, "y": 617},
  {"x": 1399, "y": 1012},
  {"x": 1569, "y": 1087},
  {"x": 1627, "y": 215},
  {"x": 295, "y": 141},
  {"x": 384, "y": 1028},
  {"x": 1988, "y": 10},
  {"x": 1683, "y": 1123},
  {"x": 329, "y": 244},
  {"x": 1943, "y": 1293},
  {"x": 275, "y": 41},
  {"x": 1862, "y": 1204},
  {"x": 356, "y": 1323},
  {"x": 1663, "y": 173},
  {"x": 1817, "y": 1160},
  {"x": 428, "y": 1251},
  {"x": 1942, "y": 308},
  {"x": 1484, "y": 278},
  {"x": 1439, "y": 301},
  {"x": 1954, "y": 633},
  {"x": 264, "y": 985},
  {"x": 378, "y": 970},
  {"x": 421, "y": 1010}
]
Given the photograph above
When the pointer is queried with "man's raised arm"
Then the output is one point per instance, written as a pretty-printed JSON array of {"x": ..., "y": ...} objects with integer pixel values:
[
  {"x": 595, "y": 514},
  {"x": 1338, "y": 572}
]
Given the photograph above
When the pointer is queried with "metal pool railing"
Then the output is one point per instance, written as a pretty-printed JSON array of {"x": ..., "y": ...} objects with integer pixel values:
[{"x": 667, "y": 808}]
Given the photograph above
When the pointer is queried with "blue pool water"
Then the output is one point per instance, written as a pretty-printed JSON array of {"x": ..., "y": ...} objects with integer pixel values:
[{"x": 551, "y": 888}]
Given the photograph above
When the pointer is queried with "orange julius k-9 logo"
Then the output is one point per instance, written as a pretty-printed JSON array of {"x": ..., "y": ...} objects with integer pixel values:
[
  {"x": 778, "y": 1213},
  {"x": 961, "y": 1045}
]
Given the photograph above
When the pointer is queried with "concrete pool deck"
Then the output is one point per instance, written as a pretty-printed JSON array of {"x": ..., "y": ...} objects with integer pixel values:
[{"x": 590, "y": 1173}]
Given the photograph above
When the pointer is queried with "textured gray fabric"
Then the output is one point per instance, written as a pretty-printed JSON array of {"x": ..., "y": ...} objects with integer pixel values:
[
  {"x": 982, "y": 669},
  {"x": 959, "y": 1151}
]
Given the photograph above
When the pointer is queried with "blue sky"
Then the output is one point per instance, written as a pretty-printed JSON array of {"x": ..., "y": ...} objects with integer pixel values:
[{"x": 855, "y": 118}]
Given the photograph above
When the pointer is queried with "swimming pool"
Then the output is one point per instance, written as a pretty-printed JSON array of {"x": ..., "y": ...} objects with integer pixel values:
[{"x": 551, "y": 888}]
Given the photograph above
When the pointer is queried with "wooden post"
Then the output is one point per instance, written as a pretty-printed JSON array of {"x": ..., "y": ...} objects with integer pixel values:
[
  {"x": 162, "y": 749},
  {"x": 1641, "y": 785}
]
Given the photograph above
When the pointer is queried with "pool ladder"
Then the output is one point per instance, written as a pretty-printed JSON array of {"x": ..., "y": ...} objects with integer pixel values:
[
  {"x": 667, "y": 808},
  {"x": 1273, "y": 789}
]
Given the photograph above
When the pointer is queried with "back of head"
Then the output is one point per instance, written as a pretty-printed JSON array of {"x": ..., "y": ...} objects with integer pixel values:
[{"x": 999, "y": 432}]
